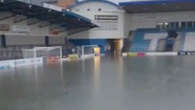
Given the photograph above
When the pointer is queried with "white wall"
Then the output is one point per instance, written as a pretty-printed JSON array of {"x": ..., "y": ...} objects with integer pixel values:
[
  {"x": 90, "y": 9},
  {"x": 150, "y": 20}
]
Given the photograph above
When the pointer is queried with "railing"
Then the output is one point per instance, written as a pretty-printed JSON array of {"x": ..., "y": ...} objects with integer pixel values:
[
  {"x": 14, "y": 52},
  {"x": 17, "y": 52}
]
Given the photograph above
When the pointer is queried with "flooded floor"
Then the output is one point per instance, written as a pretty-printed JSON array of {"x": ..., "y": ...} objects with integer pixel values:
[{"x": 145, "y": 83}]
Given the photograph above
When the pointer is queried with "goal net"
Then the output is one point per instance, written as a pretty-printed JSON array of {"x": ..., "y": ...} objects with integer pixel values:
[
  {"x": 50, "y": 53},
  {"x": 87, "y": 51}
]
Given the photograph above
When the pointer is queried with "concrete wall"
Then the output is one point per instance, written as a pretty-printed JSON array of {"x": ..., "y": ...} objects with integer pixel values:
[
  {"x": 56, "y": 40},
  {"x": 150, "y": 20},
  {"x": 25, "y": 40},
  {"x": 32, "y": 40},
  {"x": 65, "y": 3},
  {"x": 109, "y": 29}
]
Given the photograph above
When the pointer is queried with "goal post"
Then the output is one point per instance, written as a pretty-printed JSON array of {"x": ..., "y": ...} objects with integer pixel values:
[
  {"x": 87, "y": 51},
  {"x": 54, "y": 52}
]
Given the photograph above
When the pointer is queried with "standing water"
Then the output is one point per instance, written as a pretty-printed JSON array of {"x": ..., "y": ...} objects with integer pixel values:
[{"x": 144, "y": 83}]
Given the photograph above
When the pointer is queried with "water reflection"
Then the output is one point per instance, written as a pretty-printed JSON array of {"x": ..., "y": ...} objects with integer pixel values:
[
  {"x": 97, "y": 72},
  {"x": 149, "y": 83},
  {"x": 120, "y": 71}
]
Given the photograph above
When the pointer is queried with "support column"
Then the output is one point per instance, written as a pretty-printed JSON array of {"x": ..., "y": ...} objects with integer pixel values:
[
  {"x": 3, "y": 41},
  {"x": 46, "y": 41}
]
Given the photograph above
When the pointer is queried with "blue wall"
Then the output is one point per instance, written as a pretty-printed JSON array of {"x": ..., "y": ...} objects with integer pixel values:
[{"x": 100, "y": 42}]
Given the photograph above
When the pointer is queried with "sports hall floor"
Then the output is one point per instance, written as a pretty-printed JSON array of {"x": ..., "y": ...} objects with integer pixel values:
[{"x": 136, "y": 83}]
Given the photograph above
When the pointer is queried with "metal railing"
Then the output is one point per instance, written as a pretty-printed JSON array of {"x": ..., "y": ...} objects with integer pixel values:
[
  {"x": 37, "y": 2},
  {"x": 17, "y": 52},
  {"x": 9, "y": 53}
]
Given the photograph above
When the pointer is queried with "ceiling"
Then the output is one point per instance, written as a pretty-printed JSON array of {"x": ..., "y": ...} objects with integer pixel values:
[{"x": 68, "y": 20}]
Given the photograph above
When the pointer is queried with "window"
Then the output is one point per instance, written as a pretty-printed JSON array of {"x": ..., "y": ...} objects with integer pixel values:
[
  {"x": 177, "y": 25},
  {"x": 173, "y": 25},
  {"x": 165, "y": 25},
  {"x": 158, "y": 26},
  {"x": 107, "y": 22},
  {"x": 183, "y": 25},
  {"x": 189, "y": 24},
  {"x": 162, "y": 25}
]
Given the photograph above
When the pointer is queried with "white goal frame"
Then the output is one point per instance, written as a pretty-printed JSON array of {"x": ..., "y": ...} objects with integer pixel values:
[
  {"x": 34, "y": 52},
  {"x": 84, "y": 55}
]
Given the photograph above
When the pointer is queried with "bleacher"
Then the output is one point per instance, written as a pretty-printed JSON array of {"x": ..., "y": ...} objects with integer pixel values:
[
  {"x": 67, "y": 21},
  {"x": 141, "y": 44}
]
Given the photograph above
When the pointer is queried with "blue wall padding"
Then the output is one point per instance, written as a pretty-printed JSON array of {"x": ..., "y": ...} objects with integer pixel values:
[{"x": 100, "y": 42}]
